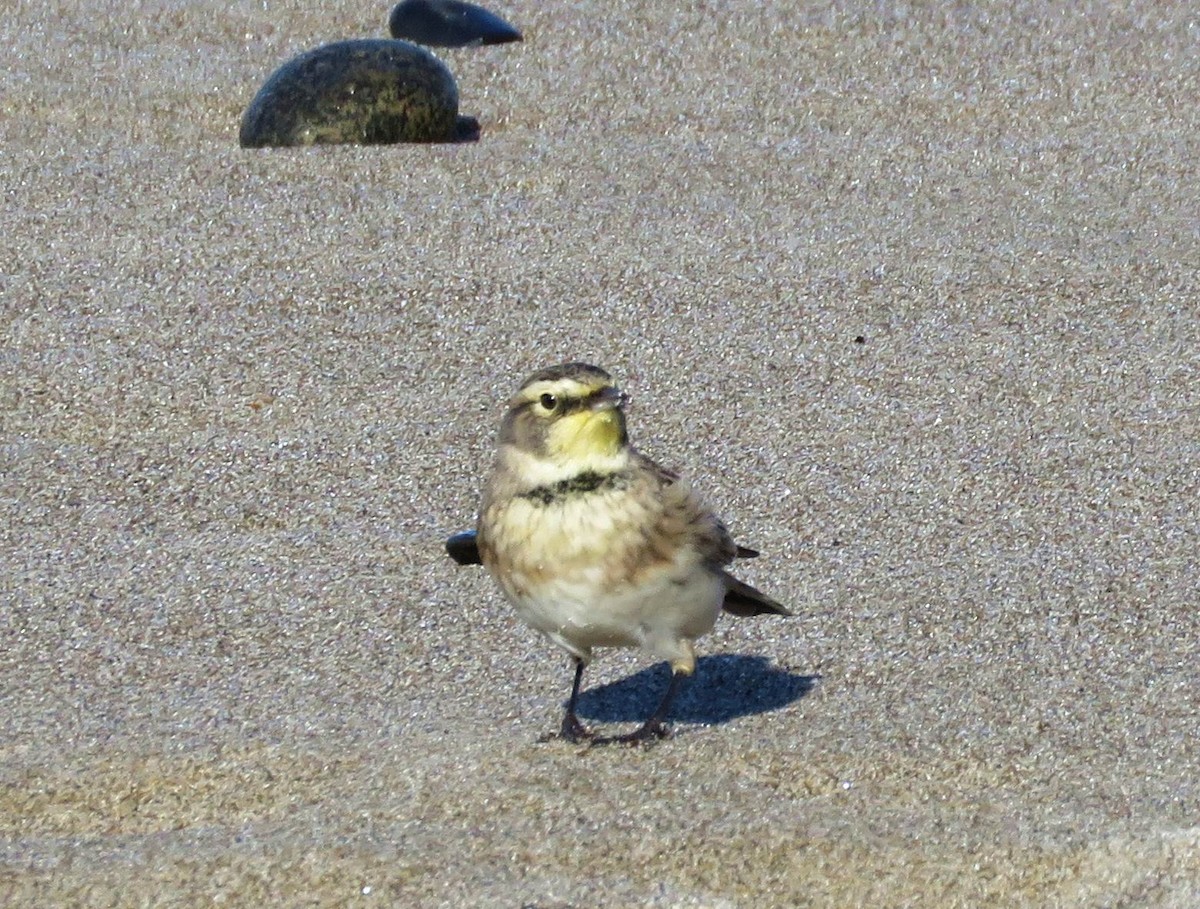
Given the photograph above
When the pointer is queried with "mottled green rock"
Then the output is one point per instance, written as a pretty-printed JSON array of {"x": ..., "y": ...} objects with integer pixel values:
[{"x": 364, "y": 92}]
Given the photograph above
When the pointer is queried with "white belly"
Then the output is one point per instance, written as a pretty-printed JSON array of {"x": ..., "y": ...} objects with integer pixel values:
[
  {"x": 580, "y": 593},
  {"x": 657, "y": 618}
]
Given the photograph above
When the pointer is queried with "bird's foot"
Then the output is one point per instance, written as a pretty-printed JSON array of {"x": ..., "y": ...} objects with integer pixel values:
[
  {"x": 572, "y": 730},
  {"x": 649, "y": 733}
]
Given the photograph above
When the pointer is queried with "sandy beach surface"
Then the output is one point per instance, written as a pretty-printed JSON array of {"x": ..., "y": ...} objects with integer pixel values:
[{"x": 908, "y": 290}]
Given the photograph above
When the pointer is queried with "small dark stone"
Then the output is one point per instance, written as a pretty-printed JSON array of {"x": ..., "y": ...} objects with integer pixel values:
[
  {"x": 449, "y": 23},
  {"x": 859, "y": 339},
  {"x": 363, "y": 92}
]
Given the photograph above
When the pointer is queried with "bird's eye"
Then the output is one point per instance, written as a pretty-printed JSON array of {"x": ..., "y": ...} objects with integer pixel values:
[{"x": 549, "y": 402}]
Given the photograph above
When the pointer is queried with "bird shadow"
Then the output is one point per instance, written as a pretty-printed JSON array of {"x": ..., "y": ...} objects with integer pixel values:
[{"x": 725, "y": 687}]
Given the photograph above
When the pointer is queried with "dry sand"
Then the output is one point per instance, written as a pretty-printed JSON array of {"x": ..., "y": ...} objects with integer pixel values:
[{"x": 909, "y": 290}]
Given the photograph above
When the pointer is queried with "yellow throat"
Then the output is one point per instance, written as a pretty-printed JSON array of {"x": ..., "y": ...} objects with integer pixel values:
[{"x": 586, "y": 436}]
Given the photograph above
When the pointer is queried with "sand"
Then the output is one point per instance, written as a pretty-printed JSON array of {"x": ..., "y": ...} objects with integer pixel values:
[{"x": 909, "y": 291}]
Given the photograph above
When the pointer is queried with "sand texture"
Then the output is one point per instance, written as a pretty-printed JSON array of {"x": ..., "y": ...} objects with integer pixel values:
[{"x": 910, "y": 291}]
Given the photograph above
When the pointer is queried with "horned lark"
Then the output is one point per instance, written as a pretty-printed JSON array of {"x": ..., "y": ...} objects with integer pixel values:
[{"x": 595, "y": 544}]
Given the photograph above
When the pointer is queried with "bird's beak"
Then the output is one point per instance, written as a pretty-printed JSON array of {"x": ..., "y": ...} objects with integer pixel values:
[{"x": 608, "y": 399}]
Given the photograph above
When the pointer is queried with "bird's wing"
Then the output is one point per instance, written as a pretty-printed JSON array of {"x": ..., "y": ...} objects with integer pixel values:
[
  {"x": 685, "y": 515},
  {"x": 664, "y": 475},
  {"x": 715, "y": 541}
]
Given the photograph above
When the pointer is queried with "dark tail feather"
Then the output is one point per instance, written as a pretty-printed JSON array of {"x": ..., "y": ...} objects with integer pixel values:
[
  {"x": 742, "y": 599},
  {"x": 463, "y": 548}
]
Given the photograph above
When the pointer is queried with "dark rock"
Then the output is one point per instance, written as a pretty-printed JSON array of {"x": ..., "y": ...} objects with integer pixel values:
[{"x": 449, "y": 23}]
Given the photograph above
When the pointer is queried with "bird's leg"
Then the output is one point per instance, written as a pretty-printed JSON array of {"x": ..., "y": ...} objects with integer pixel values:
[
  {"x": 655, "y": 726},
  {"x": 572, "y": 729}
]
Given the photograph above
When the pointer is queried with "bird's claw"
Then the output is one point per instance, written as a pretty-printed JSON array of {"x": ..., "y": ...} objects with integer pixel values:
[
  {"x": 649, "y": 733},
  {"x": 572, "y": 730}
]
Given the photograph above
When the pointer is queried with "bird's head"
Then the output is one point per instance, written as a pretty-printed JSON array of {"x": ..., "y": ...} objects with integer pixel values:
[{"x": 570, "y": 416}]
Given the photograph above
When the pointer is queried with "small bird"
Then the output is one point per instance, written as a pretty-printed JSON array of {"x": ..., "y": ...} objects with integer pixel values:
[{"x": 595, "y": 544}]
